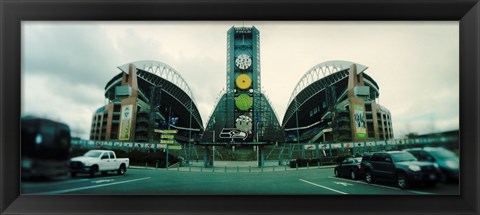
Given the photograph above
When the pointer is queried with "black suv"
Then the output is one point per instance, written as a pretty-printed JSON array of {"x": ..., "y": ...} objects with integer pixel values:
[{"x": 400, "y": 166}]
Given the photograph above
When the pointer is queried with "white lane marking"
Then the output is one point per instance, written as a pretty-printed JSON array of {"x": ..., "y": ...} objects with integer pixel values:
[
  {"x": 378, "y": 185},
  {"x": 318, "y": 185},
  {"x": 33, "y": 184},
  {"x": 102, "y": 181},
  {"x": 343, "y": 183},
  {"x": 90, "y": 187},
  {"x": 420, "y": 192}
]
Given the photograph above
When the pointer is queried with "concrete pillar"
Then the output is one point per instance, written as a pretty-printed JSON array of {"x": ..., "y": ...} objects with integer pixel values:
[
  {"x": 260, "y": 155},
  {"x": 208, "y": 157}
]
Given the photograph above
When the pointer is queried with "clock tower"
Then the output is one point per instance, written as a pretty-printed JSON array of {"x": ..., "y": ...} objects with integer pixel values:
[{"x": 243, "y": 81}]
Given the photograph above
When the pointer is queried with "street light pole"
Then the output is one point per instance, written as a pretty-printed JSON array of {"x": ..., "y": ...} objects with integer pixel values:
[
  {"x": 190, "y": 133},
  {"x": 296, "y": 116}
]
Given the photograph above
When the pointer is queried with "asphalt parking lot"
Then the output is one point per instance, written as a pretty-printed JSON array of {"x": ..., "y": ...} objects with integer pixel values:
[{"x": 196, "y": 181}]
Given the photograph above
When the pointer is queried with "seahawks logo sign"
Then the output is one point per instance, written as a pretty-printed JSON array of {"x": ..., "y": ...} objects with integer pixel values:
[{"x": 233, "y": 133}]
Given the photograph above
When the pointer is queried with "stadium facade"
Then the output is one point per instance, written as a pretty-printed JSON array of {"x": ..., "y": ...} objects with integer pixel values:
[
  {"x": 336, "y": 101},
  {"x": 143, "y": 97}
]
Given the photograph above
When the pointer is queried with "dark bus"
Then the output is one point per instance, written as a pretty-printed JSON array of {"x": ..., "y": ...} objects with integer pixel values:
[{"x": 45, "y": 146}]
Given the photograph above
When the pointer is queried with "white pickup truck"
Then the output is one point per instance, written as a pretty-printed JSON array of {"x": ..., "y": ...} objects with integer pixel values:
[{"x": 98, "y": 161}]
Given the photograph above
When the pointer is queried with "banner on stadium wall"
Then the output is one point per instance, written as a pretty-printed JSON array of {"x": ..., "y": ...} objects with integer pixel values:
[
  {"x": 90, "y": 142},
  {"x": 347, "y": 145},
  {"x": 148, "y": 145},
  {"x": 380, "y": 143},
  {"x": 107, "y": 143},
  {"x": 139, "y": 145},
  {"x": 125, "y": 122},
  {"x": 127, "y": 144},
  {"x": 360, "y": 123},
  {"x": 359, "y": 144},
  {"x": 336, "y": 145},
  {"x": 309, "y": 146},
  {"x": 118, "y": 144},
  {"x": 161, "y": 146},
  {"x": 324, "y": 146},
  {"x": 391, "y": 142},
  {"x": 370, "y": 143}
]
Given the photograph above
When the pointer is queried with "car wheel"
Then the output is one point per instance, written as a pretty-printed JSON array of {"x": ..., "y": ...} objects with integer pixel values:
[
  {"x": 402, "y": 181},
  {"x": 369, "y": 176},
  {"x": 93, "y": 171},
  {"x": 104, "y": 172},
  {"x": 353, "y": 175},
  {"x": 336, "y": 173},
  {"x": 73, "y": 174},
  {"x": 431, "y": 184},
  {"x": 121, "y": 170}
]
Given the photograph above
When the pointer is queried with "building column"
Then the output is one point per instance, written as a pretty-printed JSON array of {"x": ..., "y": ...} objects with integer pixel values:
[
  {"x": 260, "y": 156},
  {"x": 208, "y": 157}
]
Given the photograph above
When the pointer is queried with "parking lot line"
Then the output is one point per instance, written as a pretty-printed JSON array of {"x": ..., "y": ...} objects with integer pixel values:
[
  {"x": 378, "y": 185},
  {"x": 90, "y": 187},
  {"x": 25, "y": 184},
  {"x": 318, "y": 185}
]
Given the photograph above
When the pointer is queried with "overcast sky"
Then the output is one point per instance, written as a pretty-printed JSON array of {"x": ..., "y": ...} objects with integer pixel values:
[{"x": 66, "y": 65}]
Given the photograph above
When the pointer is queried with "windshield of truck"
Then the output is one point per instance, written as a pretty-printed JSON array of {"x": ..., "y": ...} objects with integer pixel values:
[
  {"x": 402, "y": 157},
  {"x": 93, "y": 154}
]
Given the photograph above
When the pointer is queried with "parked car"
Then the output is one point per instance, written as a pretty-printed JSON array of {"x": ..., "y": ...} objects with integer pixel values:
[
  {"x": 400, "y": 166},
  {"x": 95, "y": 161},
  {"x": 447, "y": 160},
  {"x": 45, "y": 147},
  {"x": 350, "y": 167}
]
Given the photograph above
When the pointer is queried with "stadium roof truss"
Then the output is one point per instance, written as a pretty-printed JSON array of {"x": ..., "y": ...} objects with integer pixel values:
[
  {"x": 317, "y": 79},
  {"x": 150, "y": 71}
]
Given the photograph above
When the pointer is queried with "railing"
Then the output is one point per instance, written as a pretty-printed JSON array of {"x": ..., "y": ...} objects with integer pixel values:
[{"x": 302, "y": 150}]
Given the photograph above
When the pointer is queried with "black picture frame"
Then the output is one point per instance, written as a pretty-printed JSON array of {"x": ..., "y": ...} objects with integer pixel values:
[{"x": 12, "y": 12}]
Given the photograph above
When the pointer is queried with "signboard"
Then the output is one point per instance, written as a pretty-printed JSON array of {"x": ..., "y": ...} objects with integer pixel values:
[
  {"x": 139, "y": 145},
  {"x": 359, "y": 144},
  {"x": 370, "y": 143},
  {"x": 90, "y": 142},
  {"x": 233, "y": 133},
  {"x": 148, "y": 145},
  {"x": 166, "y": 131},
  {"x": 336, "y": 145},
  {"x": 380, "y": 143},
  {"x": 126, "y": 144},
  {"x": 167, "y": 141},
  {"x": 324, "y": 146},
  {"x": 174, "y": 147},
  {"x": 118, "y": 144},
  {"x": 347, "y": 145},
  {"x": 309, "y": 147},
  {"x": 360, "y": 123},
  {"x": 107, "y": 143},
  {"x": 125, "y": 122},
  {"x": 390, "y": 142},
  {"x": 162, "y": 146},
  {"x": 167, "y": 136}
]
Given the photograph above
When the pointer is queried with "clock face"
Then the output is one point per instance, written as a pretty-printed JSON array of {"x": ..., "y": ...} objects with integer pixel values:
[
  {"x": 244, "y": 123},
  {"x": 243, "y": 102},
  {"x": 243, "y": 81},
  {"x": 243, "y": 61}
]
